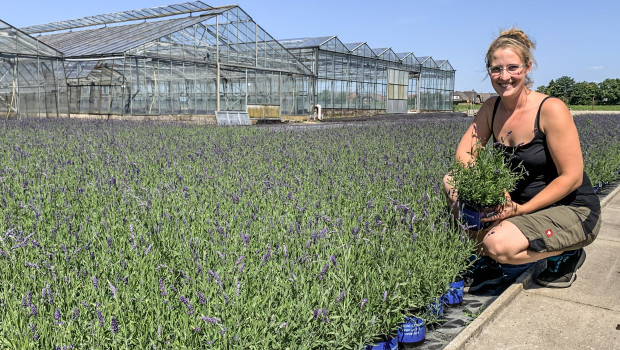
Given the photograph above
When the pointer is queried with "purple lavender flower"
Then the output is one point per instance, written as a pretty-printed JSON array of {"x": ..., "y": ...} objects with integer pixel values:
[
  {"x": 27, "y": 299},
  {"x": 33, "y": 310},
  {"x": 340, "y": 296},
  {"x": 100, "y": 317},
  {"x": 216, "y": 276},
  {"x": 76, "y": 313},
  {"x": 316, "y": 314},
  {"x": 385, "y": 295},
  {"x": 190, "y": 307},
  {"x": 363, "y": 302},
  {"x": 196, "y": 329},
  {"x": 201, "y": 298},
  {"x": 246, "y": 239},
  {"x": 95, "y": 282},
  {"x": 114, "y": 325},
  {"x": 48, "y": 291},
  {"x": 162, "y": 288},
  {"x": 33, "y": 330},
  {"x": 265, "y": 257},
  {"x": 212, "y": 320},
  {"x": 57, "y": 316},
  {"x": 283, "y": 324},
  {"x": 324, "y": 270},
  {"x": 239, "y": 260},
  {"x": 112, "y": 289},
  {"x": 333, "y": 259}
]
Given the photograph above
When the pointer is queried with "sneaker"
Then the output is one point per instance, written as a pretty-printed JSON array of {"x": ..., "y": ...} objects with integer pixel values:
[
  {"x": 486, "y": 272},
  {"x": 561, "y": 270}
]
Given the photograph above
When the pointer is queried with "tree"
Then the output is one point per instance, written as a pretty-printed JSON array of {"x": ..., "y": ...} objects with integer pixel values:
[
  {"x": 562, "y": 88},
  {"x": 584, "y": 93},
  {"x": 609, "y": 91},
  {"x": 542, "y": 89}
]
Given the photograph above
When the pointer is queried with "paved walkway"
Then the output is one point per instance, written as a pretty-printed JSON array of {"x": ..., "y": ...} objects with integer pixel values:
[{"x": 584, "y": 316}]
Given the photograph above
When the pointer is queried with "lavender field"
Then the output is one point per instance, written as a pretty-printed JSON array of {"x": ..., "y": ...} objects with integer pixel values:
[{"x": 152, "y": 235}]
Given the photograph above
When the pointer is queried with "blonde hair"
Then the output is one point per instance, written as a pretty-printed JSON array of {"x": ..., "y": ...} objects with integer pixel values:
[{"x": 519, "y": 42}]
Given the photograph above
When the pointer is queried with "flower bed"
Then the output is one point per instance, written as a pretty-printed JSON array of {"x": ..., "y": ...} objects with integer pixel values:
[
  {"x": 600, "y": 144},
  {"x": 141, "y": 235}
]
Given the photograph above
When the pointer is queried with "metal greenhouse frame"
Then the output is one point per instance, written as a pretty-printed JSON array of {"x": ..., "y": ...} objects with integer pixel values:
[
  {"x": 32, "y": 80},
  {"x": 195, "y": 59},
  {"x": 220, "y": 60}
]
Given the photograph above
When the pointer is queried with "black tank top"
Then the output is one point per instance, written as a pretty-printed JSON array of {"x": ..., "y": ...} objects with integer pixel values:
[{"x": 540, "y": 169}]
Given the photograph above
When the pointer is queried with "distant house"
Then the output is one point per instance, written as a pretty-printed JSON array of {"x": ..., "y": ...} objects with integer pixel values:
[
  {"x": 469, "y": 96},
  {"x": 486, "y": 95}
]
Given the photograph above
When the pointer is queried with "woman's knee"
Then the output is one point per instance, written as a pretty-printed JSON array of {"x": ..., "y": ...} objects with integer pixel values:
[
  {"x": 504, "y": 242},
  {"x": 496, "y": 250}
]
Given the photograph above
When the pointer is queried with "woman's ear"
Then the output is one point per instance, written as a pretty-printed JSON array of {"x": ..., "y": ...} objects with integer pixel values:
[{"x": 528, "y": 69}]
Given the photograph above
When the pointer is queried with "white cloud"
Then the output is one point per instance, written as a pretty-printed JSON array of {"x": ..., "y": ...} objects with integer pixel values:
[{"x": 595, "y": 68}]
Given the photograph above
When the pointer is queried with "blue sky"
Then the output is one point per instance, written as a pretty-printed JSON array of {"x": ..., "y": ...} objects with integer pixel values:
[{"x": 578, "y": 39}]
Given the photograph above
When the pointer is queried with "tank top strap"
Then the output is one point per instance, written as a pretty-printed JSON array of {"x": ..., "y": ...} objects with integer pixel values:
[{"x": 537, "y": 121}]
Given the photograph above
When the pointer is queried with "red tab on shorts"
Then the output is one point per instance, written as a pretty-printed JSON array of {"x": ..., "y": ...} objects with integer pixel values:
[{"x": 549, "y": 233}]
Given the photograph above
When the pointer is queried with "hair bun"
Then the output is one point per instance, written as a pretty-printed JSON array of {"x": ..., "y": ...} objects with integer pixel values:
[{"x": 519, "y": 35}]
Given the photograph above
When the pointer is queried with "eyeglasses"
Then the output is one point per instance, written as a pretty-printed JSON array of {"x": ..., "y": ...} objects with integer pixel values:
[{"x": 512, "y": 69}]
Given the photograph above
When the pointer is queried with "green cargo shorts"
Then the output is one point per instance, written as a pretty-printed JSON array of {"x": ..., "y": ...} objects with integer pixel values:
[{"x": 559, "y": 228}]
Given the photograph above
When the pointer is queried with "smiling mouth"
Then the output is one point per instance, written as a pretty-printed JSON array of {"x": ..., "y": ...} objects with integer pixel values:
[{"x": 505, "y": 85}]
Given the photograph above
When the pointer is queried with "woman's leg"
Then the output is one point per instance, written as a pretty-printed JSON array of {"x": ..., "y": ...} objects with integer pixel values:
[{"x": 506, "y": 244}]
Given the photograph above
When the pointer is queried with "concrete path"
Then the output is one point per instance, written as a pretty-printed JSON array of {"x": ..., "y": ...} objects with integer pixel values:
[{"x": 584, "y": 316}]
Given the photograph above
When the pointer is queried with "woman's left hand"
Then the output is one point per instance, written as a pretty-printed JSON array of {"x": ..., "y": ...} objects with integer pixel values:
[{"x": 504, "y": 211}]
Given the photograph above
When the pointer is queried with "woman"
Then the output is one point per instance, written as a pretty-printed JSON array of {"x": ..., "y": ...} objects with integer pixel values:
[{"x": 553, "y": 213}]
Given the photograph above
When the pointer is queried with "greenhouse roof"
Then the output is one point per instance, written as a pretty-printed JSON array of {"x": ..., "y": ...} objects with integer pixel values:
[
  {"x": 301, "y": 43},
  {"x": 428, "y": 62},
  {"x": 14, "y": 41},
  {"x": 380, "y": 51},
  {"x": 133, "y": 15},
  {"x": 116, "y": 39},
  {"x": 444, "y": 65},
  {"x": 353, "y": 46}
]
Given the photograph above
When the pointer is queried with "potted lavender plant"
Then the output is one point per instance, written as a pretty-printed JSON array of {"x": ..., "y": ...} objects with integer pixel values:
[{"x": 483, "y": 182}]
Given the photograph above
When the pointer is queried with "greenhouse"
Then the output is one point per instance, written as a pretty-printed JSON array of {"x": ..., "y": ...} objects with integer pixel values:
[
  {"x": 196, "y": 60},
  {"x": 32, "y": 80}
]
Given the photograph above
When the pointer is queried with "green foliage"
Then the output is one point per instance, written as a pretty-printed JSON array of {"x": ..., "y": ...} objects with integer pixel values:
[
  {"x": 198, "y": 237},
  {"x": 583, "y": 93},
  {"x": 484, "y": 180},
  {"x": 608, "y": 108},
  {"x": 195, "y": 237},
  {"x": 542, "y": 89},
  {"x": 609, "y": 92},
  {"x": 561, "y": 87},
  {"x": 464, "y": 108},
  {"x": 600, "y": 145}
]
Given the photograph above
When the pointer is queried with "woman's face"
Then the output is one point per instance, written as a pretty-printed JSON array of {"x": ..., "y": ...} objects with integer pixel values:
[{"x": 507, "y": 72}]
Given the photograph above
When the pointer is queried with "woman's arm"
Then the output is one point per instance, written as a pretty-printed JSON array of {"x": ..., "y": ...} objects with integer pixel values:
[
  {"x": 478, "y": 131},
  {"x": 558, "y": 125}
]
